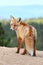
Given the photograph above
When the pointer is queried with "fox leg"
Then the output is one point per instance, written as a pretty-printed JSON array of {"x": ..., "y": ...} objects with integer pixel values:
[
  {"x": 34, "y": 53},
  {"x": 18, "y": 48},
  {"x": 24, "y": 51}
]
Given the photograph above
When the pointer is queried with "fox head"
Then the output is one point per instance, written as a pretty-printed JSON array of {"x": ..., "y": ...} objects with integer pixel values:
[{"x": 14, "y": 23}]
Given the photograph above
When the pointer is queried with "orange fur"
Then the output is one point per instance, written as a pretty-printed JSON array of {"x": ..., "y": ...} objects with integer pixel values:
[
  {"x": 30, "y": 31},
  {"x": 24, "y": 24},
  {"x": 25, "y": 33}
]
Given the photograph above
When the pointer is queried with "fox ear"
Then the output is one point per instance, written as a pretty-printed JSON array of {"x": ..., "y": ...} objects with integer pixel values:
[
  {"x": 19, "y": 19},
  {"x": 11, "y": 17}
]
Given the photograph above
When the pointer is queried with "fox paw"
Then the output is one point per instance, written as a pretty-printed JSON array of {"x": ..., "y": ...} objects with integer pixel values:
[{"x": 17, "y": 52}]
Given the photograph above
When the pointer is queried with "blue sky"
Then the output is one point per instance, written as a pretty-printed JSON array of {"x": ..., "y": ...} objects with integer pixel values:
[
  {"x": 21, "y": 8},
  {"x": 20, "y": 2}
]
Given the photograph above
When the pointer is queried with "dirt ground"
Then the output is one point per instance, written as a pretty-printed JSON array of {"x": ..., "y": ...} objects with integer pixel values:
[{"x": 8, "y": 56}]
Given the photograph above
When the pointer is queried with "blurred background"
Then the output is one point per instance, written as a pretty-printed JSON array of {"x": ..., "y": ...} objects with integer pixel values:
[{"x": 30, "y": 11}]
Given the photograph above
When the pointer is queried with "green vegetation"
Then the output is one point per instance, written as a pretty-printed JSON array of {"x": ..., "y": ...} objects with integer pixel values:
[{"x": 8, "y": 37}]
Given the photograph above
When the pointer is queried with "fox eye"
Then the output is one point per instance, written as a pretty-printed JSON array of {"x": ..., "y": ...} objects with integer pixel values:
[{"x": 15, "y": 25}]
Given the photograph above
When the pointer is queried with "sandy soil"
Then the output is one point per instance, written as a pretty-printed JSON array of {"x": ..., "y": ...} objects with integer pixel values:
[{"x": 8, "y": 56}]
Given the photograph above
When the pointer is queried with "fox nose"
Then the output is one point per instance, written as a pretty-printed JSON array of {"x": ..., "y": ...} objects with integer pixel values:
[{"x": 10, "y": 28}]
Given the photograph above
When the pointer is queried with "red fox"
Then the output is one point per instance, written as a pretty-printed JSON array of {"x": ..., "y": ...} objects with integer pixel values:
[{"x": 25, "y": 33}]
